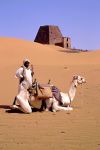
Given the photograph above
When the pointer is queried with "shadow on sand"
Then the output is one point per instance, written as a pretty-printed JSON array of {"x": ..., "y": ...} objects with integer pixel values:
[{"x": 9, "y": 110}]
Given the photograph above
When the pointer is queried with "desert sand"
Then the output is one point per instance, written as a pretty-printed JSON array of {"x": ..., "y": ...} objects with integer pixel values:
[{"x": 75, "y": 130}]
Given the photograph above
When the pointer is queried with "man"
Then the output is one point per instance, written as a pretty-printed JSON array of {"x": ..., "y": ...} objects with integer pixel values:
[
  {"x": 25, "y": 75},
  {"x": 25, "y": 72}
]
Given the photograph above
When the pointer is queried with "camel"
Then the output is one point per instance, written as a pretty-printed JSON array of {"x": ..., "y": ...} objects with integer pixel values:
[{"x": 67, "y": 98}]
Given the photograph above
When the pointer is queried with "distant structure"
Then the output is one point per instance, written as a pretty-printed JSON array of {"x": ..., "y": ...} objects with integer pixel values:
[{"x": 49, "y": 34}]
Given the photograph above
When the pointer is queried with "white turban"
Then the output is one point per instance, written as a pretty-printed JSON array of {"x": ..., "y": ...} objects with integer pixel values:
[{"x": 26, "y": 60}]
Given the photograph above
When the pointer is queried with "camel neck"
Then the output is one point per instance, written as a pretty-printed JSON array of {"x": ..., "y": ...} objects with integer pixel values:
[{"x": 72, "y": 91}]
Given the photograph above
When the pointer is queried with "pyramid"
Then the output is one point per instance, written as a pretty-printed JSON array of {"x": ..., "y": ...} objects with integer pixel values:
[{"x": 50, "y": 34}]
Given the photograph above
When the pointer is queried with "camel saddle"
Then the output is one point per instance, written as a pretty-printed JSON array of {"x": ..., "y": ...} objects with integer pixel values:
[{"x": 41, "y": 91}]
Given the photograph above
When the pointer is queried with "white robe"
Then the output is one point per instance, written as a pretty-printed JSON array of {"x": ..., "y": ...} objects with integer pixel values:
[{"x": 23, "y": 95}]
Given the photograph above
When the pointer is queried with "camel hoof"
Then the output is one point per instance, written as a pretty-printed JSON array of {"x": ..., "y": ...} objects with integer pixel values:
[
  {"x": 69, "y": 108},
  {"x": 54, "y": 110},
  {"x": 46, "y": 109}
]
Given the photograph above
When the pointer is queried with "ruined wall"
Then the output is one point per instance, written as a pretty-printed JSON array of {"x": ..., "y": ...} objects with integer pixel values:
[{"x": 68, "y": 42}]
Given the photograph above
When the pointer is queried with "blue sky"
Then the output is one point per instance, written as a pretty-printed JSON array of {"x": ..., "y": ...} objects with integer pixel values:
[{"x": 79, "y": 19}]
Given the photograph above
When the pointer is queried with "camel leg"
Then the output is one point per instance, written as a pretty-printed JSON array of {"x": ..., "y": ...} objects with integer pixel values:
[
  {"x": 56, "y": 107},
  {"x": 49, "y": 104},
  {"x": 43, "y": 105}
]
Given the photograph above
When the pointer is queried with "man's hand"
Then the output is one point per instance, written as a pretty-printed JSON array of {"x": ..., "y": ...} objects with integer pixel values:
[
  {"x": 21, "y": 79},
  {"x": 32, "y": 69}
]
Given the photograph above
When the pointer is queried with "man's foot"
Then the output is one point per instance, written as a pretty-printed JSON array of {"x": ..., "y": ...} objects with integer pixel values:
[{"x": 14, "y": 107}]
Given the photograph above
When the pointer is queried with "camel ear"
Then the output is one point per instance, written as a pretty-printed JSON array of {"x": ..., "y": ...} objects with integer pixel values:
[{"x": 75, "y": 77}]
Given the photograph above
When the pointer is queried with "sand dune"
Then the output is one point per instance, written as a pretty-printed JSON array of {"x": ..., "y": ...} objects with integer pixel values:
[
  {"x": 79, "y": 129},
  {"x": 14, "y": 50}
]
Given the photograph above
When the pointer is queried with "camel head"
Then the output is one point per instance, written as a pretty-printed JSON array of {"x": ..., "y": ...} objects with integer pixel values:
[{"x": 78, "y": 80}]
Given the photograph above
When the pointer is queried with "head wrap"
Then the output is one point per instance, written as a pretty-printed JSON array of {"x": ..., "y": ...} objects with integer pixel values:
[{"x": 26, "y": 60}]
